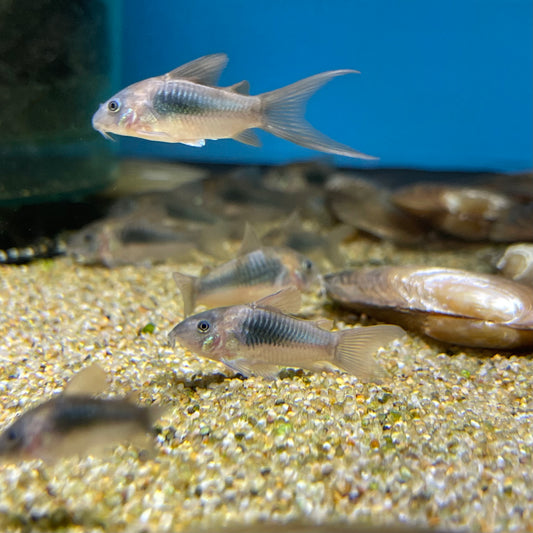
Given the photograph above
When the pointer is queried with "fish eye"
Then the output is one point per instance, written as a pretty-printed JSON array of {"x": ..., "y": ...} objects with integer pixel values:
[
  {"x": 307, "y": 264},
  {"x": 113, "y": 106},
  {"x": 203, "y": 326},
  {"x": 12, "y": 434}
]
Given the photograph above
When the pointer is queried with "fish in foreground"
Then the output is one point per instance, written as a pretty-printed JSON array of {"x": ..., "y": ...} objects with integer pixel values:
[
  {"x": 257, "y": 338},
  {"x": 256, "y": 272},
  {"x": 76, "y": 423},
  {"x": 186, "y": 106}
]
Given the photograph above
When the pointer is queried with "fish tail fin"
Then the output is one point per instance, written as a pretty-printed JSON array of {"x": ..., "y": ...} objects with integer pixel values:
[
  {"x": 356, "y": 348},
  {"x": 283, "y": 115},
  {"x": 186, "y": 285}
]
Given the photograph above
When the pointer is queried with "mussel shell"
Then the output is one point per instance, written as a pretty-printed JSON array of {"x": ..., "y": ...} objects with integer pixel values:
[
  {"x": 465, "y": 212},
  {"x": 450, "y": 305},
  {"x": 367, "y": 207},
  {"x": 517, "y": 263}
]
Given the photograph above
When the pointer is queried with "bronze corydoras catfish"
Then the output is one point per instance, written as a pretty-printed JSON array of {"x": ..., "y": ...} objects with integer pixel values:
[
  {"x": 76, "y": 423},
  {"x": 186, "y": 106},
  {"x": 257, "y": 338}
]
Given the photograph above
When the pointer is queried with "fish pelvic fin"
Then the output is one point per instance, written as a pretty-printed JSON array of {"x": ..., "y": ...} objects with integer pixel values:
[
  {"x": 186, "y": 285},
  {"x": 283, "y": 115},
  {"x": 356, "y": 348}
]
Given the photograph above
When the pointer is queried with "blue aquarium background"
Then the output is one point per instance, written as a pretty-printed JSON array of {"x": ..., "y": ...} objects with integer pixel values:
[{"x": 443, "y": 85}]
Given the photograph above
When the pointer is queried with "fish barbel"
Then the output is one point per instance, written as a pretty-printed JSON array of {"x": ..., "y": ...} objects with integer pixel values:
[
  {"x": 258, "y": 338},
  {"x": 185, "y": 106}
]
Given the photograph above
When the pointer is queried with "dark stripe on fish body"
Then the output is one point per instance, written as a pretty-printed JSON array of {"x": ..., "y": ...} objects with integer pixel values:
[
  {"x": 264, "y": 327},
  {"x": 72, "y": 412},
  {"x": 187, "y": 99},
  {"x": 258, "y": 268}
]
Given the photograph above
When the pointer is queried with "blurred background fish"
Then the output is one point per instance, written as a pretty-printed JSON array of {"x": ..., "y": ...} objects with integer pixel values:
[
  {"x": 76, "y": 423},
  {"x": 257, "y": 272}
]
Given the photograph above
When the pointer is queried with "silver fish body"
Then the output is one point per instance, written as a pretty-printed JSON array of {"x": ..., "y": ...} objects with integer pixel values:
[
  {"x": 257, "y": 338},
  {"x": 186, "y": 106}
]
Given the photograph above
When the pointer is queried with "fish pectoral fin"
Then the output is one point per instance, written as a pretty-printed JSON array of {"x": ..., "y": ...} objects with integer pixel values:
[
  {"x": 242, "y": 87},
  {"x": 287, "y": 300},
  {"x": 88, "y": 381},
  {"x": 250, "y": 241},
  {"x": 205, "y": 70},
  {"x": 198, "y": 144},
  {"x": 247, "y": 137}
]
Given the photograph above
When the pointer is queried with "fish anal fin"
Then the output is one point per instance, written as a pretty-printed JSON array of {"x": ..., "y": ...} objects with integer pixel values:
[
  {"x": 242, "y": 87},
  {"x": 205, "y": 70},
  {"x": 250, "y": 241},
  {"x": 247, "y": 137},
  {"x": 88, "y": 381},
  {"x": 186, "y": 285},
  {"x": 287, "y": 300}
]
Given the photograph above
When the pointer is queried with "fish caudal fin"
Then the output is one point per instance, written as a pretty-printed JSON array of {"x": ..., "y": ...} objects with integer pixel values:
[
  {"x": 186, "y": 285},
  {"x": 356, "y": 348},
  {"x": 283, "y": 115}
]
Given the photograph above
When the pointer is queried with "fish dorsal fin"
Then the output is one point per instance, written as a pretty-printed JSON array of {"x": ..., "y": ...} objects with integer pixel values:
[
  {"x": 205, "y": 70},
  {"x": 287, "y": 300},
  {"x": 250, "y": 240},
  {"x": 242, "y": 87},
  {"x": 293, "y": 224},
  {"x": 88, "y": 382}
]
